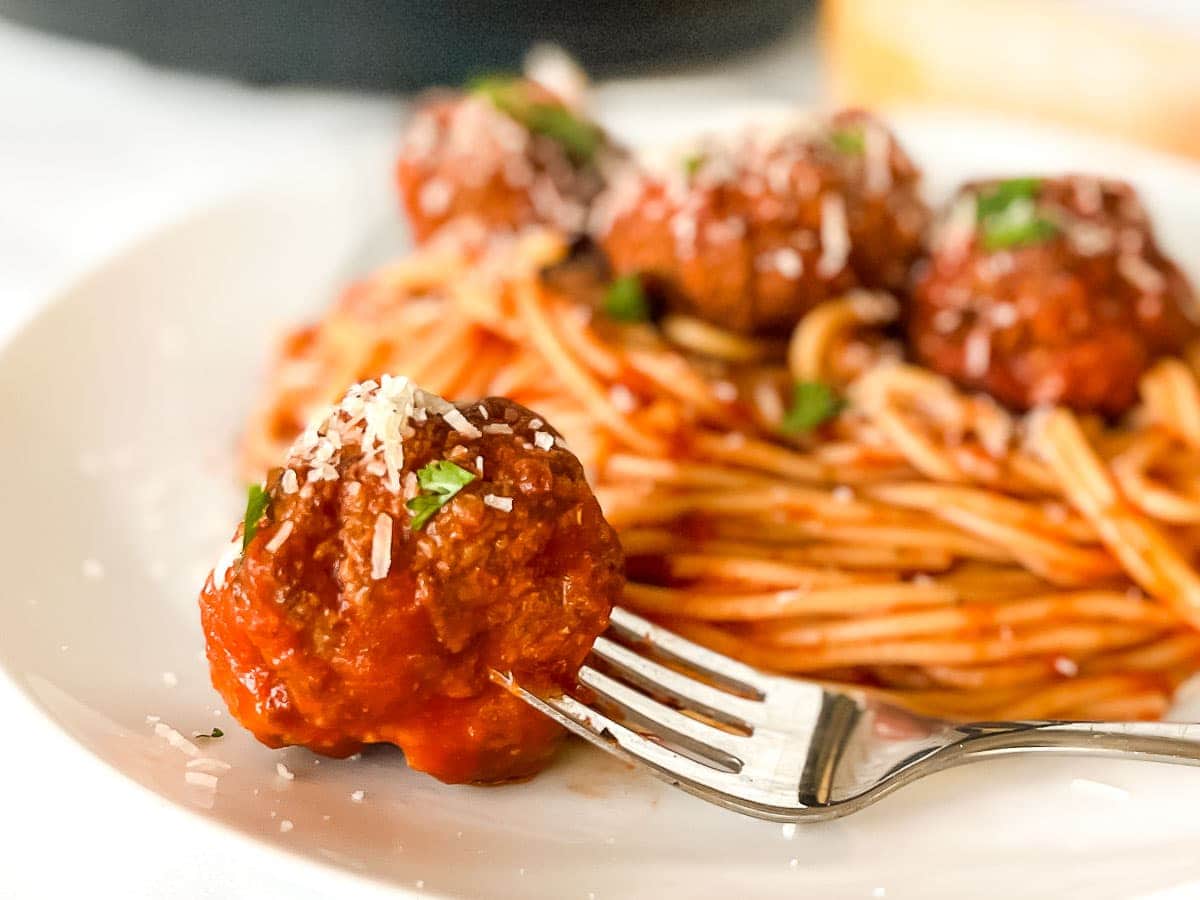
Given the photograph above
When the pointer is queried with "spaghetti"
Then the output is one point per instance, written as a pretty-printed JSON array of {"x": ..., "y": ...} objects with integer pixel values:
[{"x": 928, "y": 545}]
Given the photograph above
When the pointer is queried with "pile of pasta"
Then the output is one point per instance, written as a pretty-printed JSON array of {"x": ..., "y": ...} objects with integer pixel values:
[{"x": 923, "y": 543}]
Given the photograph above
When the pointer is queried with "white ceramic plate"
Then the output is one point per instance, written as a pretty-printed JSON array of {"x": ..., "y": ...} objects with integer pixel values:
[{"x": 121, "y": 405}]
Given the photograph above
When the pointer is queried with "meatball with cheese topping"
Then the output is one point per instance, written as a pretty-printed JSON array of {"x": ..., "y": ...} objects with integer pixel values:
[
  {"x": 408, "y": 552},
  {"x": 1049, "y": 291},
  {"x": 505, "y": 155},
  {"x": 751, "y": 232}
]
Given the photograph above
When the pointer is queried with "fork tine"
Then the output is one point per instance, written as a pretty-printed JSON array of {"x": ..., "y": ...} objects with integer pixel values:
[
  {"x": 654, "y": 677},
  {"x": 714, "y": 785},
  {"x": 723, "y": 748},
  {"x": 718, "y": 665},
  {"x": 611, "y": 736}
]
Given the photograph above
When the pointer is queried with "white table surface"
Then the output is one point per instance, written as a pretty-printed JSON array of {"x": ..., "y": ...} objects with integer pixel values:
[{"x": 97, "y": 149}]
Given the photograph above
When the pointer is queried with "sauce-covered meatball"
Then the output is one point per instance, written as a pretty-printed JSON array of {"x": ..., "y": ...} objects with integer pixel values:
[
  {"x": 410, "y": 549},
  {"x": 507, "y": 154},
  {"x": 750, "y": 233},
  {"x": 1049, "y": 291}
]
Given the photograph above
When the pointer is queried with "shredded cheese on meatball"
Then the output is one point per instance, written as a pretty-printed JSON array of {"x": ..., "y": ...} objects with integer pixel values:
[
  {"x": 373, "y": 416},
  {"x": 381, "y": 547},
  {"x": 835, "y": 236},
  {"x": 505, "y": 504}
]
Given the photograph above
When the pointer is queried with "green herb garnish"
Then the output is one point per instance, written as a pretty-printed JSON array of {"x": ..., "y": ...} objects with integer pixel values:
[
  {"x": 512, "y": 96},
  {"x": 578, "y": 137},
  {"x": 504, "y": 91},
  {"x": 692, "y": 163},
  {"x": 1007, "y": 215},
  {"x": 813, "y": 402},
  {"x": 442, "y": 479},
  {"x": 848, "y": 140},
  {"x": 997, "y": 198},
  {"x": 625, "y": 300},
  {"x": 257, "y": 500},
  {"x": 1017, "y": 231},
  {"x": 203, "y": 735}
]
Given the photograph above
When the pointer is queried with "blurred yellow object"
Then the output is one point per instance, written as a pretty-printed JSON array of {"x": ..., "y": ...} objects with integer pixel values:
[{"x": 1128, "y": 69}]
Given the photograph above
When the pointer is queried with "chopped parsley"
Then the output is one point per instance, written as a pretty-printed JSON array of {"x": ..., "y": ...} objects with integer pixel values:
[
  {"x": 692, "y": 163},
  {"x": 577, "y": 136},
  {"x": 442, "y": 480},
  {"x": 997, "y": 198},
  {"x": 848, "y": 140},
  {"x": 625, "y": 300},
  {"x": 205, "y": 735},
  {"x": 1007, "y": 215},
  {"x": 257, "y": 500},
  {"x": 511, "y": 95},
  {"x": 813, "y": 402}
]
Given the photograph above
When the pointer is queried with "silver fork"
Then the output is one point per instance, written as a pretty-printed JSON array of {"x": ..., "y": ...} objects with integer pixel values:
[{"x": 789, "y": 751}]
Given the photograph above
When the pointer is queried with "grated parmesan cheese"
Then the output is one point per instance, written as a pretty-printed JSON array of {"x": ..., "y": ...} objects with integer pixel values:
[
  {"x": 284, "y": 772},
  {"x": 434, "y": 197},
  {"x": 946, "y": 320},
  {"x": 505, "y": 504},
  {"x": 788, "y": 263},
  {"x": 725, "y": 391},
  {"x": 1140, "y": 273},
  {"x": 876, "y": 150},
  {"x": 290, "y": 483},
  {"x": 497, "y": 428},
  {"x": 1003, "y": 315},
  {"x": 1090, "y": 239},
  {"x": 209, "y": 764},
  {"x": 175, "y": 739},
  {"x": 381, "y": 547},
  {"x": 227, "y": 558},
  {"x": 953, "y": 235},
  {"x": 543, "y": 440},
  {"x": 456, "y": 420},
  {"x": 835, "y": 237},
  {"x": 977, "y": 354},
  {"x": 201, "y": 779},
  {"x": 280, "y": 537}
]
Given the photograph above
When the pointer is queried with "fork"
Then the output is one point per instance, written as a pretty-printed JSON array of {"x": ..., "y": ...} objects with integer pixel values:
[{"x": 786, "y": 750}]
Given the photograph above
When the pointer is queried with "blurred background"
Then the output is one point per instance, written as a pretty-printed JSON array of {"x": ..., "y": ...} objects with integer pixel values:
[
  {"x": 119, "y": 115},
  {"x": 116, "y": 116}
]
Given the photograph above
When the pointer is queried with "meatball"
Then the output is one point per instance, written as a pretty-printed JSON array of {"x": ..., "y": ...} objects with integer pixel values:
[
  {"x": 1049, "y": 290},
  {"x": 751, "y": 233},
  {"x": 410, "y": 549},
  {"x": 508, "y": 154}
]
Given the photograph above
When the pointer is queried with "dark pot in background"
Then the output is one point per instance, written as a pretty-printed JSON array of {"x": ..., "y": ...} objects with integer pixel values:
[{"x": 405, "y": 44}]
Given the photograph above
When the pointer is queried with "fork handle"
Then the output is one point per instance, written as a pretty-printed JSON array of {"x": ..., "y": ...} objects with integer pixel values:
[{"x": 1176, "y": 742}]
